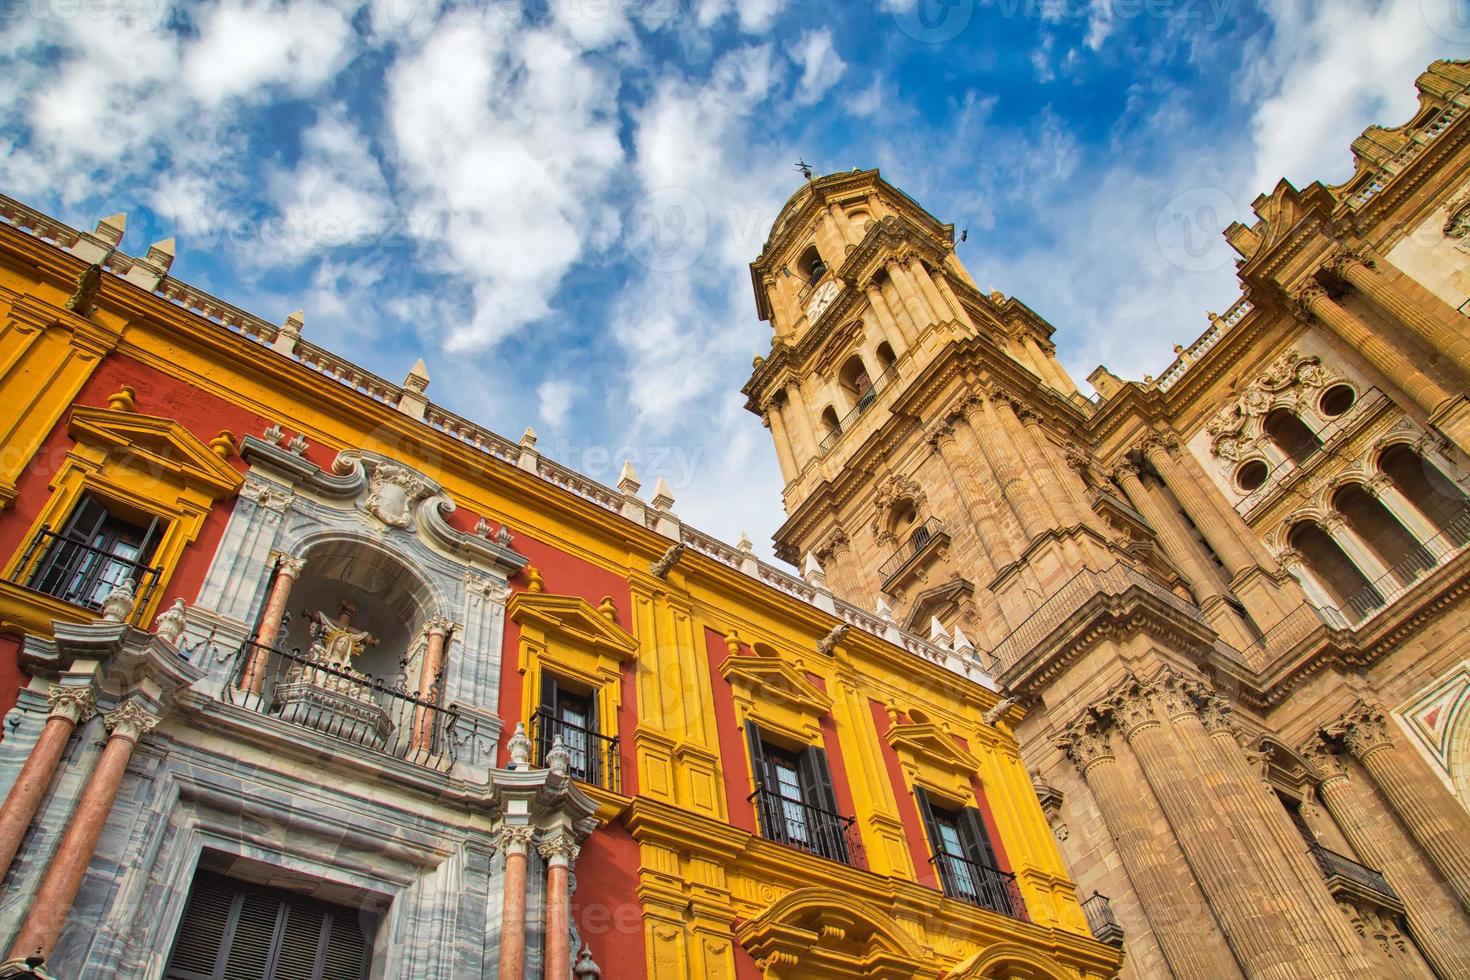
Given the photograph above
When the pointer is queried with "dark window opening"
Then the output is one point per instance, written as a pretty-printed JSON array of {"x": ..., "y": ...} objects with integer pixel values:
[
  {"x": 965, "y": 859},
  {"x": 1252, "y": 475},
  {"x": 1336, "y": 400},
  {"x": 96, "y": 551},
  {"x": 571, "y": 712},
  {"x": 1291, "y": 435},
  {"x": 234, "y": 930}
]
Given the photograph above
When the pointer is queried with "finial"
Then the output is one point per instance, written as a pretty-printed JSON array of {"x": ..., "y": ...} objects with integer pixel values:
[
  {"x": 962, "y": 644},
  {"x": 812, "y": 571},
  {"x": 607, "y": 609},
  {"x": 118, "y": 603},
  {"x": 663, "y": 498},
  {"x": 111, "y": 228},
  {"x": 519, "y": 747},
  {"x": 223, "y": 445},
  {"x": 628, "y": 480},
  {"x": 418, "y": 378},
  {"x": 744, "y": 545},
  {"x": 528, "y": 438},
  {"x": 294, "y": 323},
  {"x": 123, "y": 400},
  {"x": 534, "y": 581},
  {"x": 558, "y": 759},
  {"x": 169, "y": 625},
  {"x": 938, "y": 635},
  {"x": 732, "y": 643},
  {"x": 883, "y": 609},
  {"x": 482, "y": 528},
  {"x": 586, "y": 968}
]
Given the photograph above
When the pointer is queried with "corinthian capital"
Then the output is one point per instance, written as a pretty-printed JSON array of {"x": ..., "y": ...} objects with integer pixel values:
[
  {"x": 559, "y": 849},
  {"x": 1158, "y": 442},
  {"x": 76, "y": 704},
  {"x": 1346, "y": 257},
  {"x": 1133, "y": 708},
  {"x": 1364, "y": 730},
  {"x": 290, "y": 565},
  {"x": 1325, "y": 764},
  {"x": 1086, "y": 742},
  {"x": 515, "y": 840},
  {"x": 1214, "y": 711},
  {"x": 130, "y": 720},
  {"x": 1303, "y": 303}
]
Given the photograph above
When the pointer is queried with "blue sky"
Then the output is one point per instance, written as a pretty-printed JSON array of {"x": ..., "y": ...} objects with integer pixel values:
[{"x": 554, "y": 204}]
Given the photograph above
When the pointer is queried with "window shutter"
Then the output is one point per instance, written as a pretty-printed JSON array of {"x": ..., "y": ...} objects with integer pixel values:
[
  {"x": 204, "y": 931},
  {"x": 255, "y": 936},
  {"x": 977, "y": 839},
  {"x": 769, "y": 822},
  {"x": 595, "y": 744},
  {"x": 931, "y": 830},
  {"x": 301, "y": 940},
  {"x": 817, "y": 793},
  {"x": 345, "y": 955},
  {"x": 545, "y": 724}
]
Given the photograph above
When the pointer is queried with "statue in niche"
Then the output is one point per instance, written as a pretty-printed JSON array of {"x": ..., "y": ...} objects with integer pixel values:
[{"x": 335, "y": 641}]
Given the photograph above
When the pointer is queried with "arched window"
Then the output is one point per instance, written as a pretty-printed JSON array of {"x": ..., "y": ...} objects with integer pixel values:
[
  {"x": 1435, "y": 495},
  {"x": 856, "y": 382},
  {"x": 1348, "y": 588},
  {"x": 810, "y": 266},
  {"x": 830, "y": 425},
  {"x": 1291, "y": 435},
  {"x": 1381, "y": 531},
  {"x": 886, "y": 356}
]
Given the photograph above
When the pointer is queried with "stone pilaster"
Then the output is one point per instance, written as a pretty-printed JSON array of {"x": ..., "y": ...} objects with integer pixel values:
[{"x": 1427, "y": 317}]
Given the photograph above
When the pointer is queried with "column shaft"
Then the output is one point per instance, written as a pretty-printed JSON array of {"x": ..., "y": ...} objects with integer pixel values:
[
  {"x": 53, "y": 900},
  {"x": 1444, "y": 939},
  {"x": 253, "y": 680},
  {"x": 423, "y": 720},
  {"x": 777, "y": 425},
  {"x": 72, "y": 706},
  {"x": 1009, "y": 467},
  {"x": 1417, "y": 315},
  {"x": 1179, "y": 918},
  {"x": 913, "y": 301},
  {"x": 1387, "y": 359},
  {"x": 886, "y": 323},
  {"x": 928, "y": 290},
  {"x": 513, "y": 912},
  {"x": 558, "y": 924}
]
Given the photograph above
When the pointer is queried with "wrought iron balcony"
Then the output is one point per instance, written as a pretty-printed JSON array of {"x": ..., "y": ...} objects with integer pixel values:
[
  {"x": 1339, "y": 870},
  {"x": 864, "y": 402},
  {"x": 594, "y": 756},
  {"x": 799, "y": 824},
  {"x": 981, "y": 885},
  {"x": 919, "y": 541},
  {"x": 1102, "y": 922},
  {"x": 77, "y": 573},
  {"x": 346, "y": 704}
]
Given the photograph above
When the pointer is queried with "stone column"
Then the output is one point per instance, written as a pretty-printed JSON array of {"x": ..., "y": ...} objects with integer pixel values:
[
  {"x": 801, "y": 429},
  {"x": 913, "y": 300},
  {"x": 288, "y": 569},
  {"x": 70, "y": 707},
  {"x": 560, "y": 851},
  {"x": 1009, "y": 464},
  {"x": 995, "y": 515},
  {"x": 1437, "y": 821},
  {"x": 951, "y": 299},
  {"x": 1050, "y": 475},
  {"x": 1430, "y": 319},
  {"x": 976, "y": 510},
  {"x": 928, "y": 290},
  {"x": 1187, "y": 936},
  {"x": 1444, "y": 938},
  {"x": 1357, "y": 550},
  {"x": 52, "y": 902},
  {"x": 1234, "y": 554},
  {"x": 515, "y": 843},
  {"x": 1402, "y": 508},
  {"x": 1291, "y": 561},
  {"x": 844, "y": 226},
  {"x": 1387, "y": 359},
  {"x": 886, "y": 322},
  {"x": 429, "y": 687},
  {"x": 1330, "y": 948},
  {"x": 771, "y": 416},
  {"x": 1182, "y": 783},
  {"x": 1180, "y": 546}
]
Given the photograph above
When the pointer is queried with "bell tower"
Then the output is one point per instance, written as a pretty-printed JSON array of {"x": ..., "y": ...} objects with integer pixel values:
[{"x": 930, "y": 441}]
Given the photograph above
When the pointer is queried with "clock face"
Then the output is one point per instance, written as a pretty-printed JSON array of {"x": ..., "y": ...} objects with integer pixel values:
[{"x": 820, "y": 300}]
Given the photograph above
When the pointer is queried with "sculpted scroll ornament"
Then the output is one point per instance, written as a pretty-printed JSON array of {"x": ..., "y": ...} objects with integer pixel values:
[
  {"x": 1365, "y": 730},
  {"x": 76, "y": 704},
  {"x": 1289, "y": 381},
  {"x": 1086, "y": 743},
  {"x": 1134, "y": 710},
  {"x": 515, "y": 840}
]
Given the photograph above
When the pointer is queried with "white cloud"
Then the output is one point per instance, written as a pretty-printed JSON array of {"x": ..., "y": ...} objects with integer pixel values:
[
  {"x": 821, "y": 66},
  {"x": 336, "y": 195},
  {"x": 554, "y": 399},
  {"x": 1330, "y": 70},
  {"x": 753, "y": 16},
  {"x": 245, "y": 46},
  {"x": 506, "y": 140},
  {"x": 866, "y": 102}
]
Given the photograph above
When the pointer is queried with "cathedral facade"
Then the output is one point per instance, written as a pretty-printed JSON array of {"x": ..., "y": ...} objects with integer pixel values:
[{"x": 1228, "y": 599}]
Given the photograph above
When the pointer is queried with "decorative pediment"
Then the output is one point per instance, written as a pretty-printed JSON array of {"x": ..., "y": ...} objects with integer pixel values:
[
  {"x": 777, "y": 695},
  {"x": 571, "y": 620},
  {"x": 829, "y": 933},
  {"x": 159, "y": 447},
  {"x": 933, "y": 756}
]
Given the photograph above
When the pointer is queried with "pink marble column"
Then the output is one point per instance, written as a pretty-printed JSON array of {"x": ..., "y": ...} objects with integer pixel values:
[
  {"x": 70, "y": 707},
  {"x": 52, "y": 903},
  {"x": 287, "y": 571},
  {"x": 423, "y": 720},
  {"x": 516, "y": 842},
  {"x": 559, "y": 851}
]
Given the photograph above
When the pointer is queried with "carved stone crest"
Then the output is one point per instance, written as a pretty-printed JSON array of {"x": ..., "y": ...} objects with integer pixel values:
[{"x": 393, "y": 493}]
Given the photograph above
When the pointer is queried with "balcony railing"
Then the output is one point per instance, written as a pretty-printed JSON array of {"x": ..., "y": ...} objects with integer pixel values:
[
  {"x": 864, "y": 402},
  {"x": 799, "y": 824},
  {"x": 919, "y": 540},
  {"x": 1100, "y": 919},
  {"x": 77, "y": 573},
  {"x": 981, "y": 885},
  {"x": 346, "y": 704},
  {"x": 594, "y": 756},
  {"x": 1335, "y": 865}
]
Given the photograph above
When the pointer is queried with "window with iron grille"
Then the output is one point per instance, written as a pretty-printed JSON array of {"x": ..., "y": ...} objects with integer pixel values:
[
  {"x": 95, "y": 551},
  {"x": 234, "y": 930},
  {"x": 965, "y": 858},
  {"x": 795, "y": 799},
  {"x": 573, "y": 713}
]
